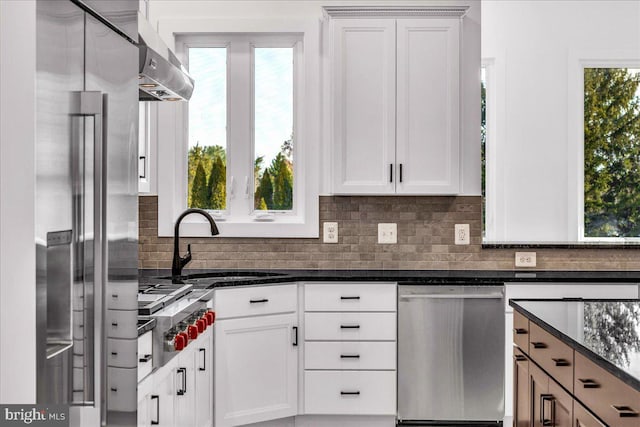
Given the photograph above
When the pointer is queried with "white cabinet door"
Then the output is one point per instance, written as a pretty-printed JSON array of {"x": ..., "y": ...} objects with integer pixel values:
[
  {"x": 427, "y": 145},
  {"x": 256, "y": 366},
  {"x": 162, "y": 409},
  {"x": 145, "y": 403},
  {"x": 364, "y": 90},
  {"x": 185, "y": 395},
  {"x": 204, "y": 380}
]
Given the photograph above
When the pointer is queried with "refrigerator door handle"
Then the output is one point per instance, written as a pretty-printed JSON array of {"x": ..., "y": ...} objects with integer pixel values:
[{"x": 89, "y": 251}]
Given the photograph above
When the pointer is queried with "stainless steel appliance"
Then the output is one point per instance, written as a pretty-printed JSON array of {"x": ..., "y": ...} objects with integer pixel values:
[
  {"x": 86, "y": 208},
  {"x": 162, "y": 75},
  {"x": 450, "y": 355},
  {"x": 181, "y": 311}
]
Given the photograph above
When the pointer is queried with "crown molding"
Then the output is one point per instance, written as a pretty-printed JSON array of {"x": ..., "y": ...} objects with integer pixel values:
[{"x": 396, "y": 12}]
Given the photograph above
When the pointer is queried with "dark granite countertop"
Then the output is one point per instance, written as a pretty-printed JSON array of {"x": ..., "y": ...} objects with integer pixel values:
[
  {"x": 417, "y": 277},
  {"x": 605, "y": 331}
]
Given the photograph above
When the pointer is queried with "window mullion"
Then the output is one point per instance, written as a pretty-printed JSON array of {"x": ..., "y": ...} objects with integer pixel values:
[{"x": 239, "y": 171}]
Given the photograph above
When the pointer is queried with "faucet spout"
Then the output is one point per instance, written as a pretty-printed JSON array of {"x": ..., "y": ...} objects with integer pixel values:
[{"x": 179, "y": 262}]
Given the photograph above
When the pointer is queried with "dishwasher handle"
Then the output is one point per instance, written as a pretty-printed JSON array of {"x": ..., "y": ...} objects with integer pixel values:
[{"x": 453, "y": 296}]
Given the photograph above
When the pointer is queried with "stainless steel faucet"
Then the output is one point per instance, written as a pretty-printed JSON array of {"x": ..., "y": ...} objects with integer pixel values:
[{"x": 178, "y": 261}]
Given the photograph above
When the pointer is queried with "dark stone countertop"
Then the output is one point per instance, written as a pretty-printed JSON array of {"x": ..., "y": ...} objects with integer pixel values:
[
  {"x": 605, "y": 331},
  {"x": 405, "y": 277}
]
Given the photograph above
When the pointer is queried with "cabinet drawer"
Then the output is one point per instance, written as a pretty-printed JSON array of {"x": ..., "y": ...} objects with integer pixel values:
[
  {"x": 350, "y": 326},
  {"x": 350, "y": 392},
  {"x": 583, "y": 417},
  {"x": 122, "y": 296},
  {"x": 145, "y": 355},
  {"x": 521, "y": 331},
  {"x": 122, "y": 324},
  {"x": 553, "y": 355},
  {"x": 255, "y": 301},
  {"x": 350, "y": 297},
  {"x": 350, "y": 355},
  {"x": 122, "y": 353},
  {"x": 616, "y": 403},
  {"x": 122, "y": 386}
]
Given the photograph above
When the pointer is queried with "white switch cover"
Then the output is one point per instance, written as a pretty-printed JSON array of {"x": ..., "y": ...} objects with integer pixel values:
[
  {"x": 330, "y": 232},
  {"x": 525, "y": 259},
  {"x": 462, "y": 234},
  {"x": 388, "y": 233}
]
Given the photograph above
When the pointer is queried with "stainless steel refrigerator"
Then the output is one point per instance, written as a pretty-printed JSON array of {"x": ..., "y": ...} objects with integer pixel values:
[{"x": 86, "y": 208}]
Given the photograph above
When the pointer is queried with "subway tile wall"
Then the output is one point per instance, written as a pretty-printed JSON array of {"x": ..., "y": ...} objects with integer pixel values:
[{"x": 425, "y": 241}]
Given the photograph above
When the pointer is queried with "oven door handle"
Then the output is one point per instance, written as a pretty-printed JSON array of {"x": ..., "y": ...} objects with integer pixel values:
[{"x": 453, "y": 296}]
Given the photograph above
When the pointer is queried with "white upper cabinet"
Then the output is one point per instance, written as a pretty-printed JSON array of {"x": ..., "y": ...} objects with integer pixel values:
[
  {"x": 364, "y": 77},
  {"x": 395, "y": 106},
  {"x": 427, "y": 148}
]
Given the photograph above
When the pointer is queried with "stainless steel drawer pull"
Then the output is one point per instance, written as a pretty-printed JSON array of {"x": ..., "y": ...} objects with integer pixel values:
[
  {"x": 114, "y": 324},
  {"x": 349, "y": 356},
  {"x": 588, "y": 383},
  {"x": 349, "y": 326},
  {"x": 350, "y": 393},
  {"x": 538, "y": 345},
  {"x": 625, "y": 411},
  {"x": 561, "y": 362},
  {"x": 257, "y": 301},
  {"x": 350, "y": 298},
  {"x": 114, "y": 353},
  {"x": 114, "y": 296},
  {"x": 145, "y": 358},
  {"x": 520, "y": 331},
  {"x": 114, "y": 389}
]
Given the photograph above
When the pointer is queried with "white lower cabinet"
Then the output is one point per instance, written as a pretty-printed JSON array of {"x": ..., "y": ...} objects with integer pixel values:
[
  {"x": 256, "y": 358},
  {"x": 350, "y": 392},
  {"x": 179, "y": 394}
]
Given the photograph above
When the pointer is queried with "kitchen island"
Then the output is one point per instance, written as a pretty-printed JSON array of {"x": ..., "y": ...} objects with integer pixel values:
[{"x": 577, "y": 362}]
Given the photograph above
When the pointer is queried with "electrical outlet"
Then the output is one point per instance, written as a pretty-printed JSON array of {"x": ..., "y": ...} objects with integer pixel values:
[
  {"x": 388, "y": 233},
  {"x": 462, "y": 234},
  {"x": 330, "y": 232},
  {"x": 525, "y": 259}
]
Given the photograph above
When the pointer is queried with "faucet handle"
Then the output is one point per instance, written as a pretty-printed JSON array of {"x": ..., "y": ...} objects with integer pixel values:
[{"x": 189, "y": 249}]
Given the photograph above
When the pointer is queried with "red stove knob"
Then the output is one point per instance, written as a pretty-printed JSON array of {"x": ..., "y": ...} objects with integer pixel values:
[
  {"x": 179, "y": 342},
  {"x": 211, "y": 317},
  {"x": 192, "y": 330},
  {"x": 202, "y": 325}
]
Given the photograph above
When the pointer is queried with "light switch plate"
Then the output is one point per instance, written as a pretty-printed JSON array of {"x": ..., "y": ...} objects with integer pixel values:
[
  {"x": 462, "y": 234},
  {"x": 330, "y": 232},
  {"x": 525, "y": 259},
  {"x": 388, "y": 233}
]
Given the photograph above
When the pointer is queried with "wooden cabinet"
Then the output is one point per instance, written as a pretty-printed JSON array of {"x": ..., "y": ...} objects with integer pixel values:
[
  {"x": 395, "y": 106},
  {"x": 522, "y": 398},
  {"x": 256, "y": 358},
  {"x": 564, "y": 387}
]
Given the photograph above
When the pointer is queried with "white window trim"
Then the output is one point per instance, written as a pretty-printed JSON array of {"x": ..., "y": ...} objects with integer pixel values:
[
  {"x": 578, "y": 61},
  {"x": 495, "y": 208},
  {"x": 172, "y": 144}
]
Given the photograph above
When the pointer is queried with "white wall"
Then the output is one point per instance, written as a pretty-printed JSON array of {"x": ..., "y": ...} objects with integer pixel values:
[
  {"x": 535, "y": 44},
  {"x": 168, "y": 15},
  {"x": 17, "y": 189}
]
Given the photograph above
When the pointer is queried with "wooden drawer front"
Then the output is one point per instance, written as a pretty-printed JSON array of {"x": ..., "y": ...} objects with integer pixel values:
[
  {"x": 350, "y": 392},
  {"x": 350, "y": 355},
  {"x": 602, "y": 393},
  {"x": 553, "y": 355},
  {"x": 521, "y": 331},
  {"x": 350, "y": 326},
  {"x": 584, "y": 418},
  {"x": 350, "y": 297},
  {"x": 255, "y": 301}
]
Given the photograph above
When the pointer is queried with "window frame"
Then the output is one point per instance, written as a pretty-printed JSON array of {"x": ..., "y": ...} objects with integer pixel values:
[
  {"x": 578, "y": 61},
  {"x": 173, "y": 124}
]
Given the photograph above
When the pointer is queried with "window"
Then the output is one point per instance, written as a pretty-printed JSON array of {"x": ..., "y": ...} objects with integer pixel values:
[
  {"x": 246, "y": 146},
  {"x": 611, "y": 153}
]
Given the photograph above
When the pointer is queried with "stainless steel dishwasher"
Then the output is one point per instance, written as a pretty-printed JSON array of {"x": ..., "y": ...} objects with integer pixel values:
[{"x": 450, "y": 355}]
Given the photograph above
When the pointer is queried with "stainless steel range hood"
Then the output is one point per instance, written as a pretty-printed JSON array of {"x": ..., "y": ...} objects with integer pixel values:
[{"x": 162, "y": 77}]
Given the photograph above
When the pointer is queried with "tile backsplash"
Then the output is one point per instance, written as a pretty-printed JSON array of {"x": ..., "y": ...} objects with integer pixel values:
[{"x": 425, "y": 241}]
